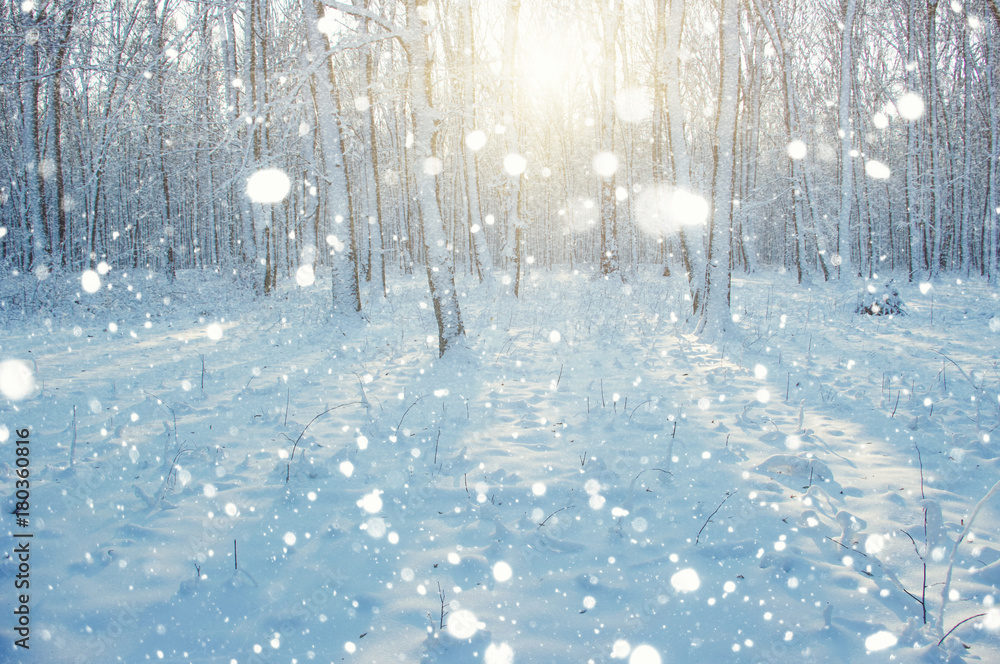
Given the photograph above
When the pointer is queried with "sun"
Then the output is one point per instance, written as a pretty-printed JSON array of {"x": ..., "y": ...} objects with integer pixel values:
[
  {"x": 557, "y": 57},
  {"x": 545, "y": 67}
]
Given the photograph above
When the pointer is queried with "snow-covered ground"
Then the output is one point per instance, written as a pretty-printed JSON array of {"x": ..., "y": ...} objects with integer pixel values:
[{"x": 581, "y": 482}]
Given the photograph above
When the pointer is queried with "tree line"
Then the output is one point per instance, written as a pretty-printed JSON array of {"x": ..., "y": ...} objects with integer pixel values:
[{"x": 829, "y": 138}]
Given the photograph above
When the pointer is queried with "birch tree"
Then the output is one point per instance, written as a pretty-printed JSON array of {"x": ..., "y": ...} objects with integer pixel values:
[
  {"x": 344, "y": 288},
  {"x": 846, "y": 264},
  {"x": 440, "y": 268},
  {"x": 31, "y": 158},
  {"x": 691, "y": 237},
  {"x": 715, "y": 312},
  {"x": 514, "y": 162},
  {"x": 607, "y": 163}
]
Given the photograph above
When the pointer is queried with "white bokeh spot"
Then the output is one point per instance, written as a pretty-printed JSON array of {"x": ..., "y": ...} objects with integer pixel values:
[
  {"x": 514, "y": 164},
  {"x": 880, "y": 641},
  {"x": 475, "y": 140},
  {"x": 797, "y": 150},
  {"x": 876, "y": 170},
  {"x": 17, "y": 379},
  {"x": 268, "y": 185},
  {"x": 90, "y": 281},
  {"x": 463, "y": 624},
  {"x": 605, "y": 164},
  {"x": 686, "y": 580},
  {"x": 910, "y": 106},
  {"x": 305, "y": 276}
]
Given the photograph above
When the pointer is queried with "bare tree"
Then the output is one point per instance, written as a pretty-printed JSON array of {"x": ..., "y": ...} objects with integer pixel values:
[
  {"x": 440, "y": 268},
  {"x": 846, "y": 264},
  {"x": 715, "y": 313},
  {"x": 335, "y": 189},
  {"x": 611, "y": 14}
]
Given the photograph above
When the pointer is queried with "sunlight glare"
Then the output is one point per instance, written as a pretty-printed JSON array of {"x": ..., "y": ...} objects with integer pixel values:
[
  {"x": 633, "y": 105},
  {"x": 663, "y": 210},
  {"x": 562, "y": 57},
  {"x": 689, "y": 209}
]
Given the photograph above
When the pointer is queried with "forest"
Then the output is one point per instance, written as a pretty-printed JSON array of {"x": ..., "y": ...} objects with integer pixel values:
[
  {"x": 500, "y": 331},
  {"x": 828, "y": 138}
]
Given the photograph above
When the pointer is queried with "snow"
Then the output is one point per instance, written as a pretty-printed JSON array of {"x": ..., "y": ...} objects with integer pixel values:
[
  {"x": 17, "y": 380},
  {"x": 881, "y": 640},
  {"x": 645, "y": 654},
  {"x": 910, "y": 106},
  {"x": 214, "y": 331},
  {"x": 797, "y": 150},
  {"x": 90, "y": 281},
  {"x": 268, "y": 185},
  {"x": 580, "y": 480},
  {"x": 476, "y": 140},
  {"x": 433, "y": 166},
  {"x": 686, "y": 580},
  {"x": 514, "y": 164},
  {"x": 305, "y": 276},
  {"x": 605, "y": 164},
  {"x": 502, "y": 572},
  {"x": 876, "y": 170}
]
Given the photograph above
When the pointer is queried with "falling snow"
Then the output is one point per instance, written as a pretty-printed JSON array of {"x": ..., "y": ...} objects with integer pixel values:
[{"x": 268, "y": 186}]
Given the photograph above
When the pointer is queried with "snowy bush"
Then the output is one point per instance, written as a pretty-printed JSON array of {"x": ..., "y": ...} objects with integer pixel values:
[{"x": 881, "y": 300}]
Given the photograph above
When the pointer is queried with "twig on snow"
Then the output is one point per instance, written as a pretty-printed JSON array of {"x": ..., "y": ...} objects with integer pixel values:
[
  {"x": 553, "y": 514},
  {"x": 291, "y": 456},
  {"x": 729, "y": 494},
  {"x": 957, "y": 625}
]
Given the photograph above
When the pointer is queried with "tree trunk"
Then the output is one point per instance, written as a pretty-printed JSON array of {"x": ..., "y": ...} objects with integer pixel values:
[
  {"x": 440, "y": 268},
  {"x": 992, "y": 212},
  {"x": 610, "y": 20},
  {"x": 344, "y": 288},
  {"x": 512, "y": 251},
  {"x": 30, "y": 154},
  {"x": 481, "y": 251},
  {"x": 846, "y": 265},
  {"x": 937, "y": 177},
  {"x": 715, "y": 313},
  {"x": 370, "y": 75}
]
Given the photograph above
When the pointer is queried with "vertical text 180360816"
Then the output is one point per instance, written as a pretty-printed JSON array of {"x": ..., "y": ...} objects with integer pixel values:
[{"x": 22, "y": 550}]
